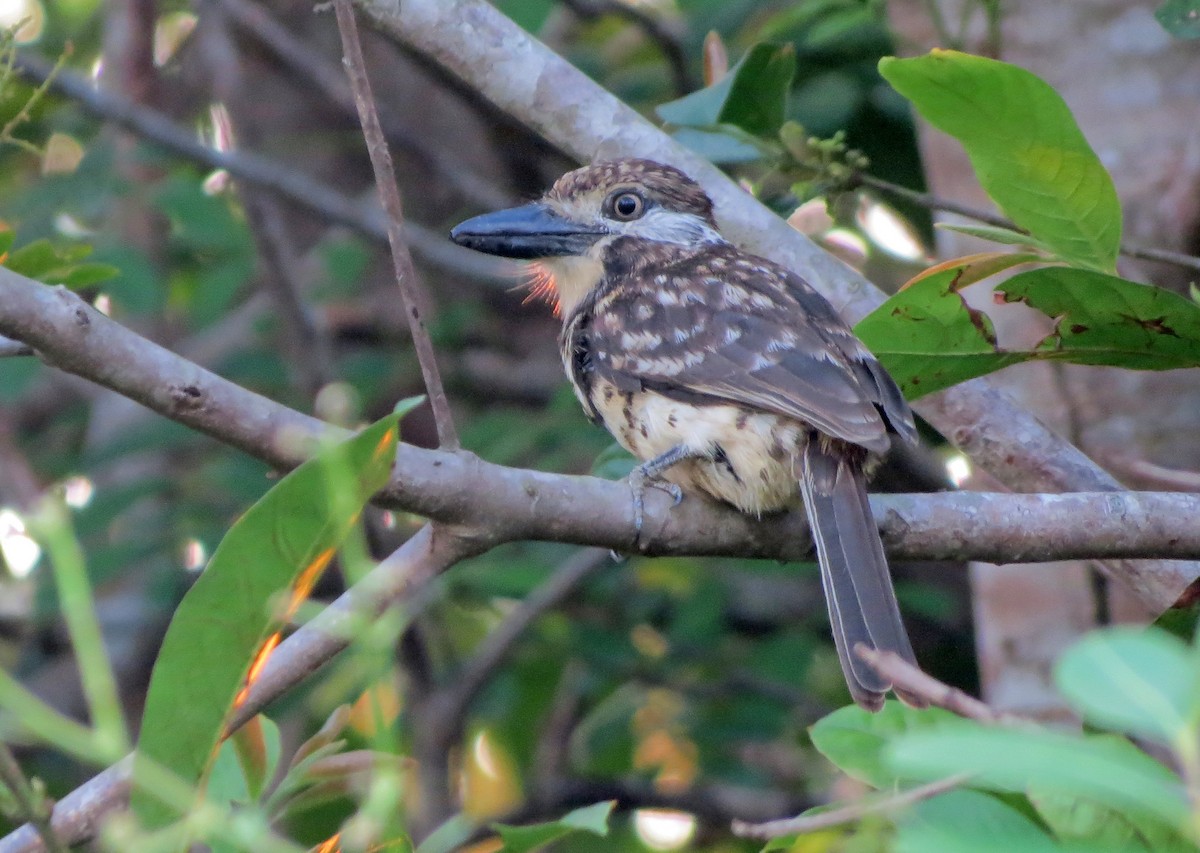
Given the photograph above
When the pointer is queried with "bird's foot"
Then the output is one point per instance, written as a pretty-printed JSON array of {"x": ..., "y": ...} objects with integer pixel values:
[{"x": 641, "y": 478}]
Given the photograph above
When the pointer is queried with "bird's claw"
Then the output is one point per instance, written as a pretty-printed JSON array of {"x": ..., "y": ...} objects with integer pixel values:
[{"x": 639, "y": 481}]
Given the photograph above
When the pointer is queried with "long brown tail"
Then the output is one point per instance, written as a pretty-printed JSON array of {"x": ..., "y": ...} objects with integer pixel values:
[{"x": 854, "y": 571}]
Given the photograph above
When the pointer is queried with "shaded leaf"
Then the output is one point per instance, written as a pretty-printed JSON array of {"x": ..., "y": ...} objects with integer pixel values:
[
  {"x": 855, "y": 739},
  {"x": 593, "y": 819},
  {"x": 1077, "y": 819},
  {"x": 1133, "y": 680},
  {"x": 752, "y": 96},
  {"x": 1007, "y": 236},
  {"x": 1181, "y": 18},
  {"x": 1025, "y": 147},
  {"x": 970, "y": 822},
  {"x": 1108, "y": 770},
  {"x": 224, "y": 627}
]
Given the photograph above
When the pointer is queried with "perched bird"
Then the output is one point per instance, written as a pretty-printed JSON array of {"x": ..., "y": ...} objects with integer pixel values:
[{"x": 722, "y": 371}]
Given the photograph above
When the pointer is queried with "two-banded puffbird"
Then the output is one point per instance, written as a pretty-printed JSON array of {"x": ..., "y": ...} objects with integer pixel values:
[{"x": 722, "y": 371}]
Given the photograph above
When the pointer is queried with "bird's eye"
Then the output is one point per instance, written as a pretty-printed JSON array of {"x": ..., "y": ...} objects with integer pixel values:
[{"x": 627, "y": 206}]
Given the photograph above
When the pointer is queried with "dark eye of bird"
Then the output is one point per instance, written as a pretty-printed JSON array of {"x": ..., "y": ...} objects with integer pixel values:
[{"x": 627, "y": 206}]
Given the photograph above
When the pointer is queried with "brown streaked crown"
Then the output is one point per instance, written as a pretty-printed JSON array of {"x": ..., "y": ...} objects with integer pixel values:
[{"x": 666, "y": 185}]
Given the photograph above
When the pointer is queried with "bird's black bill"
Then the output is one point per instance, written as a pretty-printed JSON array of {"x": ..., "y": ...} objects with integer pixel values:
[{"x": 527, "y": 232}]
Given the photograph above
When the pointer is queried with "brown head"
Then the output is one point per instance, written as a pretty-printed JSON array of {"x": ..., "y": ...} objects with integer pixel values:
[{"x": 569, "y": 229}]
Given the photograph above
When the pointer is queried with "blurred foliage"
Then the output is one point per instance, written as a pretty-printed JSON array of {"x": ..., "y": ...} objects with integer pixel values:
[
  {"x": 1027, "y": 788},
  {"x": 670, "y": 673}
]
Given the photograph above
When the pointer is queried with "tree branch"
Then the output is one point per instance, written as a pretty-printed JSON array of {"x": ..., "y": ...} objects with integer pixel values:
[
  {"x": 932, "y": 202},
  {"x": 389, "y": 194},
  {"x": 527, "y": 80},
  {"x": 484, "y": 500},
  {"x": 847, "y": 814},
  {"x": 309, "y": 194},
  {"x": 911, "y": 679}
]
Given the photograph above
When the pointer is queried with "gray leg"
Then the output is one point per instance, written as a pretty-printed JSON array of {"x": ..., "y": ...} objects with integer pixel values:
[{"x": 649, "y": 474}]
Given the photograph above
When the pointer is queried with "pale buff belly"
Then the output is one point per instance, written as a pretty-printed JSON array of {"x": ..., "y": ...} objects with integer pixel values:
[{"x": 748, "y": 458}]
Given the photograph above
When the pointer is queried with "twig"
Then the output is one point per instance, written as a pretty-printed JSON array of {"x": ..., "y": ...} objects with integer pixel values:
[
  {"x": 912, "y": 680},
  {"x": 32, "y": 806},
  {"x": 389, "y": 193},
  {"x": 932, "y": 202},
  {"x": 1148, "y": 475},
  {"x": 847, "y": 814},
  {"x": 312, "y": 195},
  {"x": 654, "y": 29}
]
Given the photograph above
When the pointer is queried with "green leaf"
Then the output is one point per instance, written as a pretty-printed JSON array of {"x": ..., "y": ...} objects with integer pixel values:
[
  {"x": 1133, "y": 680},
  {"x": 752, "y": 96},
  {"x": 269, "y": 556},
  {"x": 80, "y": 275},
  {"x": 1007, "y": 236},
  {"x": 928, "y": 338},
  {"x": 520, "y": 839},
  {"x": 967, "y": 821},
  {"x": 1109, "y": 770},
  {"x": 1077, "y": 819},
  {"x": 6, "y": 240},
  {"x": 245, "y": 763},
  {"x": 1102, "y": 319},
  {"x": 855, "y": 740},
  {"x": 720, "y": 143},
  {"x": 1025, "y": 147},
  {"x": 34, "y": 259},
  {"x": 1181, "y": 18}
]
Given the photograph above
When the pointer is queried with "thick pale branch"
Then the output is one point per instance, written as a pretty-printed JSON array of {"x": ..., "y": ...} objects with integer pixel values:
[
  {"x": 496, "y": 503},
  {"x": 523, "y": 77}
]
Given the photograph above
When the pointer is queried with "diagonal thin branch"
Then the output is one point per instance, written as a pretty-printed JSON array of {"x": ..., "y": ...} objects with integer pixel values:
[
  {"x": 932, "y": 202},
  {"x": 912, "y": 680},
  {"x": 848, "y": 814},
  {"x": 389, "y": 193}
]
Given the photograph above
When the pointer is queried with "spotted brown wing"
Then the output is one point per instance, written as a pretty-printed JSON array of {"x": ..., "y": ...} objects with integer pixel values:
[{"x": 722, "y": 326}]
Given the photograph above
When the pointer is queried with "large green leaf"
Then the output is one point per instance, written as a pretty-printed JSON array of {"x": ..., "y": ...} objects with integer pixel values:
[
  {"x": 1135, "y": 680},
  {"x": 1081, "y": 821},
  {"x": 267, "y": 561},
  {"x": 1108, "y": 770},
  {"x": 522, "y": 839},
  {"x": 970, "y": 822},
  {"x": 1026, "y": 149},
  {"x": 929, "y": 338},
  {"x": 1102, "y": 319},
  {"x": 855, "y": 740},
  {"x": 752, "y": 96}
]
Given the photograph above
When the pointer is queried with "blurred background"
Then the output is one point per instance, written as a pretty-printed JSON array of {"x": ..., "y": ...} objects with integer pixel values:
[{"x": 682, "y": 683}]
